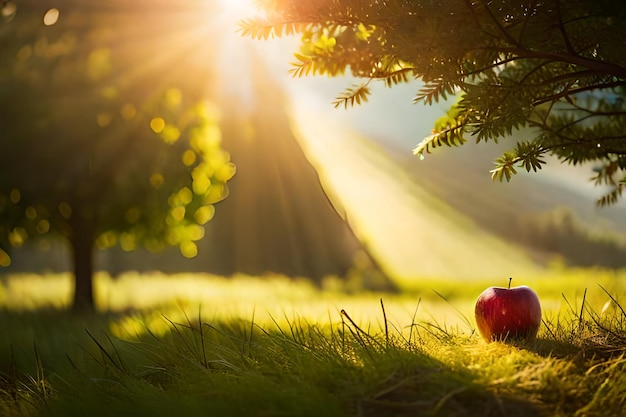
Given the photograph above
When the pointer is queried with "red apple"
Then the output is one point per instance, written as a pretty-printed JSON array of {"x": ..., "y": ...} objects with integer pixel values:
[{"x": 508, "y": 313}]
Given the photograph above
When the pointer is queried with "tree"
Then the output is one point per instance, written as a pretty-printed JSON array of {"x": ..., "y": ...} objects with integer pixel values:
[
  {"x": 278, "y": 217},
  {"x": 98, "y": 145},
  {"x": 551, "y": 71}
]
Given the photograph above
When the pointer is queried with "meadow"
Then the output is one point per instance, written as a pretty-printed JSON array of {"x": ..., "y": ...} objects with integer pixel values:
[{"x": 163, "y": 345}]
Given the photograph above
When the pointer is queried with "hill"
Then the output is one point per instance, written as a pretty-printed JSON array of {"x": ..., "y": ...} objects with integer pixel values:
[
  {"x": 413, "y": 232},
  {"x": 443, "y": 216}
]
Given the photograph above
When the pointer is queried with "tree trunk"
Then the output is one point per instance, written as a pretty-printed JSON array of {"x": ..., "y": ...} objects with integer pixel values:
[
  {"x": 277, "y": 217},
  {"x": 82, "y": 246}
]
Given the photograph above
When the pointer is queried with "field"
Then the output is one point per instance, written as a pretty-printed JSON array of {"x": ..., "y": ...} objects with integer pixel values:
[{"x": 266, "y": 346}]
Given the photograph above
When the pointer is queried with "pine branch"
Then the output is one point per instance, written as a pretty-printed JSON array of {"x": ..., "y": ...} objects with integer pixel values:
[
  {"x": 526, "y": 155},
  {"x": 358, "y": 94},
  {"x": 448, "y": 137},
  {"x": 304, "y": 67},
  {"x": 612, "y": 197},
  {"x": 395, "y": 77},
  {"x": 505, "y": 167},
  {"x": 258, "y": 28},
  {"x": 433, "y": 91}
]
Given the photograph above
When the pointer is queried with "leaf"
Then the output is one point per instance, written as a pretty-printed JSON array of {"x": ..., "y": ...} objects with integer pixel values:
[
  {"x": 258, "y": 28},
  {"x": 433, "y": 91},
  {"x": 449, "y": 137},
  {"x": 612, "y": 197},
  {"x": 304, "y": 67},
  {"x": 357, "y": 93},
  {"x": 529, "y": 154},
  {"x": 396, "y": 78},
  {"x": 505, "y": 167}
]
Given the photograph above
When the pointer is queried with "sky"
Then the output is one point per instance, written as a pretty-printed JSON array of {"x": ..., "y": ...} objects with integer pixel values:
[{"x": 405, "y": 126}]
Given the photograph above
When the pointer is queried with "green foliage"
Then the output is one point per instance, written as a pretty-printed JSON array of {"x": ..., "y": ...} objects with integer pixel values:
[
  {"x": 448, "y": 131},
  {"x": 255, "y": 30},
  {"x": 98, "y": 146},
  {"x": 526, "y": 155},
  {"x": 553, "y": 69},
  {"x": 358, "y": 94}
]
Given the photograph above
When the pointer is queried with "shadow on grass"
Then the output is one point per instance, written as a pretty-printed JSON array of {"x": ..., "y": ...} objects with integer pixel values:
[
  {"x": 56, "y": 364},
  {"x": 548, "y": 347},
  {"x": 430, "y": 388}
]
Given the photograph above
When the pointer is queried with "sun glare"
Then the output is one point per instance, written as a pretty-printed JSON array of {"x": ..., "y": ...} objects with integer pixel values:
[
  {"x": 233, "y": 62},
  {"x": 236, "y": 9},
  {"x": 196, "y": 37}
]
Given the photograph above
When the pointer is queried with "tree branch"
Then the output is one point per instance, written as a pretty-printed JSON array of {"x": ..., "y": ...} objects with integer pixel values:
[
  {"x": 568, "y": 43},
  {"x": 492, "y": 66},
  {"x": 386, "y": 74},
  {"x": 501, "y": 28},
  {"x": 601, "y": 67},
  {"x": 470, "y": 6},
  {"x": 569, "y": 92}
]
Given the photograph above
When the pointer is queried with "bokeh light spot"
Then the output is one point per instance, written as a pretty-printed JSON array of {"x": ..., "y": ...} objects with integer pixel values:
[
  {"x": 30, "y": 213},
  {"x": 188, "y": 249},
  {"x": 215, "y": 193},
  {"x": 9, "y": 9},
  {"x": 18, "y": 236},
  {"x": 204, "y": 214},
  {"x": 201, "y": 181},
  {"x": 106, "y": 240},
  {"x": 157, "y": 124},
  {"x": 195, "y": 232},
  {"x": 170, "y": 134},
  {"x": 43, "y": 226},
  {"x": 65, "y": 210},
  {"x": 104, "y": 119},
  {"x": 225, "y": 172},
  {"x": 183, "y": 197},
  {"x": 51, "y": 17},
  {"x": 173, "y": 97},
  {"x": 156, "y": 180},
  {"x": 128, "y": 111},
  {"x": 128, "y": 242},
  {"x": 178, "y": 214},
  {"x": 15, "y": 196},
  {"x": 189, "y": 157}
]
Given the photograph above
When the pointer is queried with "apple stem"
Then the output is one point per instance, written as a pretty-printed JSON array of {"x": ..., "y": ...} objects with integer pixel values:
[{"x": 510, "y": 279}]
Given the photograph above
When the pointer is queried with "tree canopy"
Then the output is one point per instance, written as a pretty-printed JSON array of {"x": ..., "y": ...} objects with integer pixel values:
[
  {"x": 97, "y": 144},
  {"x": 551, "y": 73}
]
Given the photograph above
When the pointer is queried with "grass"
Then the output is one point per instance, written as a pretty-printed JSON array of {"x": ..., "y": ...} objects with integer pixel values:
[{"x": 364, "y": 355}]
